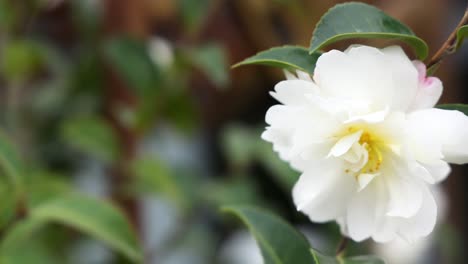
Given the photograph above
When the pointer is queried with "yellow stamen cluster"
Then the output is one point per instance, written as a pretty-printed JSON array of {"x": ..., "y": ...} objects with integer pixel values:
[
  {"x": 375, "y": 154},
  {"x": 373, "y": 147}
]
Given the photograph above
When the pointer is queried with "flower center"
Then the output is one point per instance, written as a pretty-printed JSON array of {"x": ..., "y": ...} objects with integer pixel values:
[
  {"x": 365, "y": 155},
  {"x": 374, "y": 153}
]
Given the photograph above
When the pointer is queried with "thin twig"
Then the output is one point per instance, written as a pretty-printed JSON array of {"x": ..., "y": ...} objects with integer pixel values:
[
  {"x": 341, "y": 246},
  {"x": 448, "y": 45}
]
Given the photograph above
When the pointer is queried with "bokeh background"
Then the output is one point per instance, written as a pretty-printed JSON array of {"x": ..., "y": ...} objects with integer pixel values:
[{"x": 134, "y": 101}]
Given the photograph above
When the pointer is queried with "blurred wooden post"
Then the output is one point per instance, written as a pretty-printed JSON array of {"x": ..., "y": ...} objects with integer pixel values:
[{"x": 123, "y": 17}]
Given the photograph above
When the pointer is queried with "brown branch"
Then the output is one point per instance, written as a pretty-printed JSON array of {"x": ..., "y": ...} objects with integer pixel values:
[
  {"x": 448, "y": 46},
  {"x": 123, "y": 17},
  {"x": 341, "y": 246}
]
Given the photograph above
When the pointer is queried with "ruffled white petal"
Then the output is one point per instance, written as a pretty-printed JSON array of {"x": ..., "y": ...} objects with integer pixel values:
[
  {"x": 437, "y": 133},
  {"x": 292, "y": 92},
  {"x": 360, "y": 216},
  {"x": 383, "y": 78},
  {"x": 423, "y": 222},
  {"x": 322, "y": 193},
  {"x": 438, "y": 170},
  {"x": 405, "y": 196},
  {"x": 374, "y": 117},
  {"x": 344, "y": 144},
  {"x": 429, "y": 89},
  {"x": 431, "y": 173},
  {"x": 364, "y": 179},
  {"x": 404, "y": 76}
]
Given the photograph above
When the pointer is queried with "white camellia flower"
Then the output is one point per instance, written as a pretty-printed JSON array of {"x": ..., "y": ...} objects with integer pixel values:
[{"x": 367, "y": 141}]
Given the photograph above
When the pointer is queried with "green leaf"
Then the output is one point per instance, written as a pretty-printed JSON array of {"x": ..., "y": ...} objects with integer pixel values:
[
  {"x": 93, "y": 217},
  {"x": 193, "y": 12},
  {"x": 363, "y": 260},
  {"x": 286, "y": 57},
  {"x": 28, "y": 235},
  {"x": 180, "y": 111},
  {"x": 279, "y": 169},
  {"x": 11, "y": 164},
  {"x": 11, "y": 187},
  {"x": 243, "y": 145},
  {"x": 211, "y": 60},
  {"x": 20, "y": 60},
  {"x": 460, "y": 107},
  {"x": 278, "y": 241},
  {"x": 232, "y": 191},
  {"x": 20, "y": 232},
  {"x": 323, "y": 259},
  {"x": 462, "y": 33},
  {"x": 8, "y": 204},
  {"x": 131, "y": 59},
  {"x": 239, "y": 144},
  {"x": 154, "y": 176},
  {"x": 8, "y": 16},
  {"x": 359, "y": 20},
  {"x": 42, "y": 186},
  {"x": 92, "y": 136},
  {"x": 9, "y": 159}
]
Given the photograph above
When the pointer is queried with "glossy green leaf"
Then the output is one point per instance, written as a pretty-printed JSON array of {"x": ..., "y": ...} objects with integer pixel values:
[
  {"x": 92, "y": 136},
  {"x": 286, "y": 57},
  {"x": 131, "y": 59},
  {"x": 462, "y": 33},
  {"x": 359, "y": 20},
  {"x": 279, "y": 242},
  {"x": 460, "y": 107},
  {"x": 211, "y": 60},
  {"x": 93, "y": 217}
]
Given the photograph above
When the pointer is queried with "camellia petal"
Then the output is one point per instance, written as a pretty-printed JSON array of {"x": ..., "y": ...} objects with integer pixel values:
[
  {"x": 447, "y": 128},
  {"x": 405, "y": 77},
  {"x": 360, "y": 216},
  {"x": 439, "y": 170},
  {"x": 429, "y": 89},
  {"x": 344, "y": 144},
  {"x": 329, "y": 200},
  {"x": 293, "y": 91},
  {"x": 405, "y": 197},
  {"x": 423, "y": 222}
]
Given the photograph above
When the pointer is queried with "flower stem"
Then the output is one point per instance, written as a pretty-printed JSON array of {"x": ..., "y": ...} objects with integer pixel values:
[
  {"x": 448, "y": 46},
  {"x": 341, "y": 246}
]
